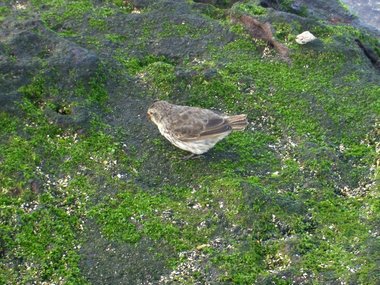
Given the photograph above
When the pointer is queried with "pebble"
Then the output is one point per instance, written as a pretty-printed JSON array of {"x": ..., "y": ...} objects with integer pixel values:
[{"x": 305, "y": 38}]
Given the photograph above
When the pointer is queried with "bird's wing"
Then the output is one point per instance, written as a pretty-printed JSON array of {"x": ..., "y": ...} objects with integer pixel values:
[{"x": 200, "y": 124}]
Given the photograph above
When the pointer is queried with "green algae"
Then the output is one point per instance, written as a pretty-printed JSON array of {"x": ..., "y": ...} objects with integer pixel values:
[
  {"x": 4, "y": 11},
  {"x": 249, "y": 8},
  {"x": 134, "y": 65},
  {"x": 45, "y": 91},
  {"x": 43, "y": 205},
  {"x": 268, "y": 192}
]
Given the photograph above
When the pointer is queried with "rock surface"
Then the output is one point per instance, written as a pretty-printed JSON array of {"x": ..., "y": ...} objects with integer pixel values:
[
  {"x": 368, "y": 11},
  {"x": 92, "y": 194}
]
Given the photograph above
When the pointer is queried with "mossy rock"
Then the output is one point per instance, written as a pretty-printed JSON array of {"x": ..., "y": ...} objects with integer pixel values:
[{"x": 92, "y": 194}]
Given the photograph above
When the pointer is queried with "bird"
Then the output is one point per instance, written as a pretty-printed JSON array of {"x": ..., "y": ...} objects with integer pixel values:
[{"x": 193, "y": 129}]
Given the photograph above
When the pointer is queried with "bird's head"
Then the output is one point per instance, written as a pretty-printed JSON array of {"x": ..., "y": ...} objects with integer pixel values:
[{"x": 157, "y": 110}]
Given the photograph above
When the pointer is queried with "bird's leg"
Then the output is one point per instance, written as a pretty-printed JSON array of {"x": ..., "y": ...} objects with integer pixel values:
[{"x": 192, "y": 156}]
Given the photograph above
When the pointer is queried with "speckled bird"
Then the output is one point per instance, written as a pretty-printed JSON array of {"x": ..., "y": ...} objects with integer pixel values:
[{"x": 193, "y": 129}]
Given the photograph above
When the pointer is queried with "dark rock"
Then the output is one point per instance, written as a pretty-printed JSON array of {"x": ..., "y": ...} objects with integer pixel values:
[
  {"x": 28, "y": 50},
  {"x": 218, "y": 3},
  {"x": 68, "y": 57},
  {"x": 367, "y": 11},
  {"x": 210, "y": 73},
  {"x": 370, "y": 53},
  {"x": 107, "y": 262},
  {"x": 140, "y": 4},
  {"x": 167, "y": 40},
  {"x": 185, "y": 74},
  {"x": 8, "y": 102},
  {"x": 326, "y": 10},
  {"x": 78, "y": 116}
]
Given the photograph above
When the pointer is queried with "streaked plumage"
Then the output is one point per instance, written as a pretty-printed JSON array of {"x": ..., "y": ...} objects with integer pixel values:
[{"x": 193, "y": 129}]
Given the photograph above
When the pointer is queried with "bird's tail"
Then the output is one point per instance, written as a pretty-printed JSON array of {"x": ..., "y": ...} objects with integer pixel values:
[{"x": 238, "y": 122}]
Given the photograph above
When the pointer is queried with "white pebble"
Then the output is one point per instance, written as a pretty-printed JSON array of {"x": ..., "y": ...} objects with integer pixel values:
[{"x": 305, "y": 37}]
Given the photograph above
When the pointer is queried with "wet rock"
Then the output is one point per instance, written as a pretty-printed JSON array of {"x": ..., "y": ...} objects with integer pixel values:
[
  {"x": 20, "y": 46},
  {"x": 78, "y": 116},
  {"x": 218, "y": 3},
  {"x": 107, "y": 262},
  {"x": 140, "y": 4},
  {"x": 68, "y": 57},
  {"x": 168, "y": 40},
  {"x": 210, "y": 73},
  {"x": 366, "y": 10},
  {"x": 29, "y": 50},
  {"x": 370, "y": 53},
  {"x": 326, "y": 10},
  {"x": 174, "y": 32}
]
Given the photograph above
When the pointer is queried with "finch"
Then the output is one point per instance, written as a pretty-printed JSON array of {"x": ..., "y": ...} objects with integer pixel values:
[{"x": 193, "y": 129}]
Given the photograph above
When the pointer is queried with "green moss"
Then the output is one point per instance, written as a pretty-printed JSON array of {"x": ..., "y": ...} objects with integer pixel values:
[
  {"x": 333, "y": 245},
  {"x": 329, "y": 33},
  {"x": 287, "y": 4},
  {"x": 99, "y": 24},
  {"x": 57, "y": 12},
  {"x": 35, "y": 91},
  {"x": 103, "y": 12},
  {"x": 159, "y": 76},
  {"x": 250, "y": 8},
  {"x": 213, "y": 12},
  {"x": 124, "y": 5},
  {"x": 98, "y": 18},
  {"x": 134, "y": 65},
  {"x": 182, "y": 29},
  {"x": 45, "y": 195},
  {"x": 130, "y": 216},
  {"x": 44, "y": 232},
  {"x": 44, "y": 91},
  {"x": 345, "y": 6},
  {"x": 19, "y": 160},
  {"x": 94, "y": 90},
  {"x": 4, "y": 11},
  {"x": 251, "y": 153},
  {"x": 165, "y": 217},
  {"x": 115, "y": 38},
  {"x": 286, "y": 32},
  {"x": 67, "y": 33},
  {"x": 243, "y": 266}
]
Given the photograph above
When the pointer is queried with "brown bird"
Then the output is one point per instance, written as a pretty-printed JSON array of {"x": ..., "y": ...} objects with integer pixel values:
[{"x": 193, "y": 129}]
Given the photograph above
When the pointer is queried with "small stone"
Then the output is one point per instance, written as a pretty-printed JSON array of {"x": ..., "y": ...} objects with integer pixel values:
[{"x": 305, "y": 37}]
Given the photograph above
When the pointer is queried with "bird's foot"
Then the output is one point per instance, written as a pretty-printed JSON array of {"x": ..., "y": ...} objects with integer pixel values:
[{"x": 192, "y": 156}]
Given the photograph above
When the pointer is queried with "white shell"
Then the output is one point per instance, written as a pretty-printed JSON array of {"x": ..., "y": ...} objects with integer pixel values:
[{"x": 305, "y": 37}]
